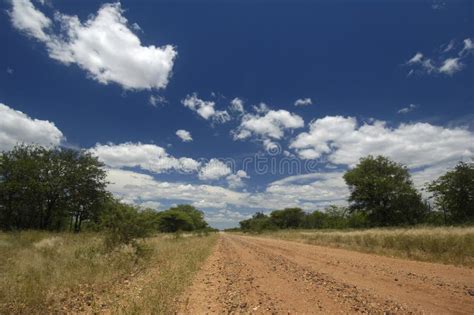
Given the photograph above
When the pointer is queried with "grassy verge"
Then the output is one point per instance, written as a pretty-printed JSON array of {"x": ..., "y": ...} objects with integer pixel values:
[
  {"x": 48, "y": 273},
  {"x": 444, "y": 244}
]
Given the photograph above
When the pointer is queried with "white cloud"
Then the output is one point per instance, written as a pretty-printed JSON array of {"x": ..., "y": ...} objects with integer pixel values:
[
  {"x": 406, "y": 110},
  {"x": 148, "y": 157},
  {"x": 468, "y": 47},
  {"x": 237, "y": 105},
  {"x": 224, "y": 216},
  {"x": 451, "y": 66},
  {"x": 104, "y": 46},
  {"x": 27, "y": 19},
  {"x": 155, "y": 205},
  {"x": 303, "y": 102},
  {"x": 344, "y": 141},
  {"x": 235, "y": 180},
  {"x": 261, "y": 108},
  {"x": 136, "y": 187},
  {"x": 17, "y": 127},
  {"x": 307, "y": 191},
  {"x": 205, "y": 109},
  {"x": 214, "y": 169},
  {"x": 184, "y": 135},
  {"x": 416, "y": 58},
  {"x": 440, "y": 64},
  {"x": 221, "y": 116},
  {"x": 270, "y": 125},
  {"x": 311, "y": 189},
  {"x": 155, "y": 100}
]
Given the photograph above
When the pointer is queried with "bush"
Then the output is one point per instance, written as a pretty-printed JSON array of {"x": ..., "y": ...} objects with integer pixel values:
[{"x": 124, "y": 224}]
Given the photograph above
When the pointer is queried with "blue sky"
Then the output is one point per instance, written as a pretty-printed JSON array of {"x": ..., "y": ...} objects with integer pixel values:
[{"x": 120, "y": 79}]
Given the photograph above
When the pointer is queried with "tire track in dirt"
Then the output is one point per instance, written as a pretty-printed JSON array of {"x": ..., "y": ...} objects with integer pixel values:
[{"x": 257, "y": 275}]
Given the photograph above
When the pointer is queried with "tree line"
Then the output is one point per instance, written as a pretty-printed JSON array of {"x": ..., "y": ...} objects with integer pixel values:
[
  {"x": 59, "y": 189},
  {"x": 382, "y": 194}
]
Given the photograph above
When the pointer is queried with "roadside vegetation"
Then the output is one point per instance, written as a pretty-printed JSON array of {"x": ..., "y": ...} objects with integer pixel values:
[
  {"x": 449, "y": 245},
  {"x": 386, "y": 214},
  {"x": 68, "y": 245},
  {"x": 42, "y": 272}
]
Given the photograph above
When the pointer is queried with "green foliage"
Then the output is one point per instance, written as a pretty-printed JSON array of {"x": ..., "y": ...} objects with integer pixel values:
[
  {"x": 124, "y": 224},
  {"x": 49, "y": 189},
  {"x": 195, "y": 216},
  {"x": 288, "y": 218},
  {"x": 258, "y": 223},
  {"x": 453, "y": 193},
  {"x": 175, "y": 221},
  {"x": 383, "y": 190}
]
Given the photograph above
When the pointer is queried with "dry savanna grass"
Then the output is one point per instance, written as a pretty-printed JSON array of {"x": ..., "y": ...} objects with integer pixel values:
[
  {"x": 449, "y": 245},
  {"x": 43, "y": 272}
]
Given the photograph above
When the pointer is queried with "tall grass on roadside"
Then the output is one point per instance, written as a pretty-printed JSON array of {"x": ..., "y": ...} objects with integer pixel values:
[
  {"x": 451, "y": 245},
  {"x": 43, "y": 272},
  {"x": 177, "y": 262}
]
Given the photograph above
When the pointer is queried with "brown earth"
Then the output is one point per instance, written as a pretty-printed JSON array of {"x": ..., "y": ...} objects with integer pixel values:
[{"x": 258, "y": 275}]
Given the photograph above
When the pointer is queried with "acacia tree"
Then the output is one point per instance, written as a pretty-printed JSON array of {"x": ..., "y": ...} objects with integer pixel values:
[
  {"x": 44, "y": 188},
  {"x": 382, "y": 190},
  {"x": 453, "y": 193}
]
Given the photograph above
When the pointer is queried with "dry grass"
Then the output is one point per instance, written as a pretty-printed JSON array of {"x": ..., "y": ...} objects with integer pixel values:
[
  {"x": 45, "y": 273},
  {"x": 450, "y": 245}
]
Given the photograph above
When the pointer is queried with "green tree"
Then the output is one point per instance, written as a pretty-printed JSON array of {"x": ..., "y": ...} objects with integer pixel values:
[
  {"x": 289, "y": 218},
  {"x": 383, "y": 190},
  {"x": 196, "y": 216},
  {"x": 258, "y": 223},
  {"x": 173, "y": 220},
  {"x": 44, "y": 188},
  {"x": 123, "y": 224},
  {"x": 453, "y": 193}
]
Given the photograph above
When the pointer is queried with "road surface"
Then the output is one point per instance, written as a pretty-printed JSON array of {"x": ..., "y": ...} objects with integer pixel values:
[{"x": 259, "y": 275}]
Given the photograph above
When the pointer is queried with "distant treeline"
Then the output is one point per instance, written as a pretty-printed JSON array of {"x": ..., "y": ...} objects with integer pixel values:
[
  {"x": 61, "y": 189},
  {"x": 382, "y": 194}
]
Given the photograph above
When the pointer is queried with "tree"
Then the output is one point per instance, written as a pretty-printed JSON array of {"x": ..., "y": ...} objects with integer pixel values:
[
  {"x": 383, "y": 190},
  {"x": 196, "y": 216},
  {"x": 124, "y": 223},
  {"x": 44, "y": 188},
  {"x": 453, "y": 193},
  {"x": 288, "y": 218},
  {"x": 173, "y": 220},
  {"x": 258, "y": 223}
]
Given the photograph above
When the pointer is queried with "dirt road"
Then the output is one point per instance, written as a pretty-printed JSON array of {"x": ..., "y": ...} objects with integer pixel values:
[{"x": 258, "y": 275}]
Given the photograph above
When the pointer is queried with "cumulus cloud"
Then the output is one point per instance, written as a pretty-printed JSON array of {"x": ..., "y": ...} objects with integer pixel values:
[
  {"x": 148, "y": 157},
  {"x": 205, "y": 109},
  {"x": 104, "y": 45},
  {"x": 303, "y": 102},
  {"x": 268, "y": 125},
  {"x": 306, "y": 191},
  {"x": 17, "y": 127},
  {"x": 440, "y": 64},
  {"x": 237, "y": 105},
  {"x": 214, "y": 169},
  {"x": 235, "y": 180},
  {"x": 344, "y": 141},
  {"x": 317, "y": 189},
  {"x": 184, "y": 135},
  {"x": 224, "y": 216},
  {"x": 27, "y": 19},
  {"x": 136, "y": 187},
  {"x": 406, "y": 110}
]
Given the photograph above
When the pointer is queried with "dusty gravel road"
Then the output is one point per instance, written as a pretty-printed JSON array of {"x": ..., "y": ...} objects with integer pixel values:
[{"x": 258, "y": 275}]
